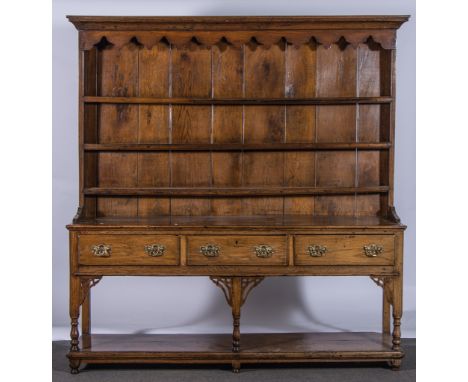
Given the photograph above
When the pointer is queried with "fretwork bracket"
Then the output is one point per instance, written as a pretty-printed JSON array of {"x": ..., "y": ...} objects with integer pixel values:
[
  {"x": 247, "y": 284},
  {"x": 86, "y": 284},
  {"x": 384, "y": 282}
]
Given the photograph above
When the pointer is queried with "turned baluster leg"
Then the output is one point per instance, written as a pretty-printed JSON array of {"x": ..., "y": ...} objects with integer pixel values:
[
  {"x": 397, "y": 299},
  {"x": 236, "y": 308},
  {"x": 397, "y": 312},
  {"x": 74, "y": 316},
  {"x": 86, "y": 314},
  {"x": 236, "y": 290},
  {"x": 386, "y": 306}
]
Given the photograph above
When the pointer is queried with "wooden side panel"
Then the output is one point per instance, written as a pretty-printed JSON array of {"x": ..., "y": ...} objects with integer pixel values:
[
  {"x": 89, "y": 172},
  {"x": 191, "y": 77},
  {"x": 90, "y": 88},
  {"x": 118, "y": 69},
  {"x": 154, "y": 168},
  {"x": 264, "y": 78}
]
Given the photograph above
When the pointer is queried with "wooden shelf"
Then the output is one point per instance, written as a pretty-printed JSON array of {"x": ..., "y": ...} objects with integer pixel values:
[
  {"x": 239, "y": 101},
  {"x": 216, "y": 348},
  {"x": 237, "y": 191},
  {"x": 251, "y": 222},
  {"x": 236, "y": 146}
]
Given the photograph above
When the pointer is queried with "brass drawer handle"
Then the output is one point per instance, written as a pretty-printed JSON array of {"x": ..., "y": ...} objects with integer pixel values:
[
  {"x": 372, "y": 250},
  {"x": 316, "y": 250},
  {"x": 155, "y": 250},
  {"x": 101, "y": 250},
  {"x": 264, "y": 250},
  {"x": 210, "y": 250}
]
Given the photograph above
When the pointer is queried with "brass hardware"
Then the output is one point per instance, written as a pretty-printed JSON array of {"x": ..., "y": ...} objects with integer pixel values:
[
  {"x": 155, "y": 250},
  {"x": 315, "y": 250},
  {"x": 264, "y": 250},
  {"x": 101, "y": 250},
  {"x": 210, "y": 250},
  {"x": 372, "y": 250}
]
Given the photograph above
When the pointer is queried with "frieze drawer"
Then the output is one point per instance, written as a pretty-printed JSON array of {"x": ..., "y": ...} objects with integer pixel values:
[
  {"x": 128, "y": 250},
  {"x": 344, "y": 249},
  {"x": 236, "y": 250}
]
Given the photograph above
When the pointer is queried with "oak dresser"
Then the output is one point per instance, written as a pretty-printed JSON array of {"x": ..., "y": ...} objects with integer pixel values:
[{"x": 236, "y": 148}]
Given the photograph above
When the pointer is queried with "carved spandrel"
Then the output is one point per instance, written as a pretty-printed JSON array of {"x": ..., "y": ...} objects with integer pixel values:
[
  {"x": 86, "y": 284},
  {"x": 225, "y": 283},
  {"x": 247, "y": 284},
  {"x": 384, "y": 282}
]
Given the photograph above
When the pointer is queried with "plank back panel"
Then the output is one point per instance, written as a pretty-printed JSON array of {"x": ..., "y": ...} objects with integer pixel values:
[
  {"x": 264, "y": 78},
  {"x": 228, "y": 124},
  {"x": 118, "y": 76},
  {"x": 254, "y": 70},
  {"x": 191, "y": 77},
  {"x": 154, "y": 75},
  {"x": 299, "y": 166}
]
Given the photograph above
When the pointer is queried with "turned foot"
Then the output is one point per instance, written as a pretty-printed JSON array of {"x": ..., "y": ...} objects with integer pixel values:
[
  {"x": 74, "y": 366},
  {"x": 235, "y": 366},
  {"x": 395, "y": 364}
]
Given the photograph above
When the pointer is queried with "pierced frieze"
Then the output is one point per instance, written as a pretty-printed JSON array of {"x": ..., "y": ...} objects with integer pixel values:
[{"x": 91, "y": 39}]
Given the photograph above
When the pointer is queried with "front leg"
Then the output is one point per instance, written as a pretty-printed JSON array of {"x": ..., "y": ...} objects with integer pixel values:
[
  {"x": 236, "y": 290},
  {"x": 397, "y": 312},
  {"x": 75, "y": 295},
  {"x": 236, "y": 302}
]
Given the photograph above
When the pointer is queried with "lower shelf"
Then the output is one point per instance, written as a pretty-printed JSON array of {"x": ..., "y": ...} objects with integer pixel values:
[{"x": 216, "y": 348}]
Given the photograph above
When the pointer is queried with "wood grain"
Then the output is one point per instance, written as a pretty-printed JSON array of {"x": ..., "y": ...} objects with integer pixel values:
[
  {"x": 236, "y": 250},
  {"x": 264, "y": 77},
  {"x": 191, "y": 76},
  {"x": 128, "y": 249},
  {"x": 239, "y": 132},
  {"x": 118, "y": 70},
  {"x": 343, "y": 249},
  {"x": 227, "y": 124}
]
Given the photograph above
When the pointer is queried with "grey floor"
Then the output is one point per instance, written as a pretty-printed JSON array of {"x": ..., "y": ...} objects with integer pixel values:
[{"x": 217, "y": 373}]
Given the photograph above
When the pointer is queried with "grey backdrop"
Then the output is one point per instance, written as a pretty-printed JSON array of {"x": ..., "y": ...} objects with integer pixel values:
[{"x": 186, "y": 304}]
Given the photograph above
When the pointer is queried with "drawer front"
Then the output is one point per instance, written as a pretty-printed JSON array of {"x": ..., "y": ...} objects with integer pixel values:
[
  {"x": 236, "y": 250},
  {"x": 344, "y": 249},
  {"x": 128, "y": 250}
]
